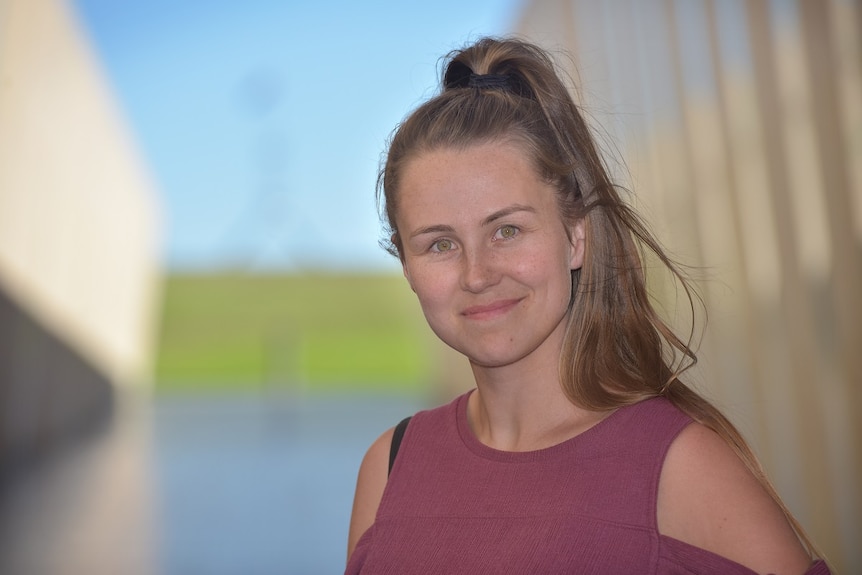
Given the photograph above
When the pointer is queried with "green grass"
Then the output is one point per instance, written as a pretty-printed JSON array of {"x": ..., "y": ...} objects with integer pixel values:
[{"x": 312, "y": 332}]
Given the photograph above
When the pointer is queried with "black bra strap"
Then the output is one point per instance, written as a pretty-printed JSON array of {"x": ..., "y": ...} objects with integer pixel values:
[{"x": 397, "y": 435}]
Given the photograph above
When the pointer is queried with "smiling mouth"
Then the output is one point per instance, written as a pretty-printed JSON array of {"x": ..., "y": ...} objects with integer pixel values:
[{"x": 491, "y": 310}]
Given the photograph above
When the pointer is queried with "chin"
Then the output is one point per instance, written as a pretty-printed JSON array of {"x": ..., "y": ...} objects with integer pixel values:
[{"x": 494, "y": 358}]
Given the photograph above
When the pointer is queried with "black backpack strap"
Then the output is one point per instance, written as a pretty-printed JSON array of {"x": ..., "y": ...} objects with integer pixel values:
[{"x": 397, "y": 435}]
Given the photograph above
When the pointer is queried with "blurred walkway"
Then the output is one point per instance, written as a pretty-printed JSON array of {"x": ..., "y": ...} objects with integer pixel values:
[{"x": 198, "y": 485}]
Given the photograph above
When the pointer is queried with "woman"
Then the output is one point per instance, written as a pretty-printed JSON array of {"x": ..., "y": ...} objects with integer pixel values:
[{"x": 579, "y": 450}]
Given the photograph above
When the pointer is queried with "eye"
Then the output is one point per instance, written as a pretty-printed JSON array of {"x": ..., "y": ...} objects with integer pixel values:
[
  {"x": 506, "y": 233},
  {"x": 441, "y": 246}
]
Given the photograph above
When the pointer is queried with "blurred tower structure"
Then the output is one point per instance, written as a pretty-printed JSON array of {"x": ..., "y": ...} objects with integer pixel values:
[
  {"x": 78, "y": 233},
  {"x": 741, "y": 127}
]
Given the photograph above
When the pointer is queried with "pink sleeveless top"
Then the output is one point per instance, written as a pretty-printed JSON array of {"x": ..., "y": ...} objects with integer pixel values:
[{"x": 587, "y": 505}]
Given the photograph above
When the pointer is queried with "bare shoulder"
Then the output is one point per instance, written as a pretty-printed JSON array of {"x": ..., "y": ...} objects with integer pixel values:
[
  {"x": 373, "y": 474},
  {"x": 708, "y": 498}
]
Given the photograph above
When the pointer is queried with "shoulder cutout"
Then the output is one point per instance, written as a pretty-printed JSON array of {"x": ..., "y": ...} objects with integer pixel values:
[
  {"x": 373, "y": 473},
  {"x": 709, "y": 499}
]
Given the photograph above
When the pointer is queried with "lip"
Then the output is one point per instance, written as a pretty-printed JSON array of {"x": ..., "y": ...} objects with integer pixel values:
[{"x": 491, "y": 310}]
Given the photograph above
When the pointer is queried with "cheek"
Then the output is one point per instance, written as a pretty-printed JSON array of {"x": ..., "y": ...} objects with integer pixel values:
[
  {"x": 430, "y": 288},
  {"x": 435, "y": 300},
  {"x": 549, "y": 264}
]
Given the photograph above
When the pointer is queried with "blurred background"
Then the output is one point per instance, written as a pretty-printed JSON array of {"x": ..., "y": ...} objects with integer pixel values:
[{"x": 199, "y": 335}]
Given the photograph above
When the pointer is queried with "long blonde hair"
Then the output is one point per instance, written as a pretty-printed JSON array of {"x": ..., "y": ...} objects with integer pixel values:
[{"x": 618, "y": 350}]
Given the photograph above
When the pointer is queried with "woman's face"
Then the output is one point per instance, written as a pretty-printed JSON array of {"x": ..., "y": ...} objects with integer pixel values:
[{"x": 486, "y": 251}]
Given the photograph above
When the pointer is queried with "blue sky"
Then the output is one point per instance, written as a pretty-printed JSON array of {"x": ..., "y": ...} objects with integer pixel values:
[{"x": 262, "y": 122}]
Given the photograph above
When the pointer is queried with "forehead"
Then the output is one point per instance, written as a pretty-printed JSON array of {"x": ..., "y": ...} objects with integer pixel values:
[{"x": 475, "y": 178}]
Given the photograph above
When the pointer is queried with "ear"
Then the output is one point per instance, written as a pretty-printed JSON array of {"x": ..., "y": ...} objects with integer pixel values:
[{"x": 578, "y": 235}]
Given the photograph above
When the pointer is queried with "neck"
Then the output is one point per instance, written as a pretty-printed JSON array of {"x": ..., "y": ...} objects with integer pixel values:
[{"x": 522, "y": 407}]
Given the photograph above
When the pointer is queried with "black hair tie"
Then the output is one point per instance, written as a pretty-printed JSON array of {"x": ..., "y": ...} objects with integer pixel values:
[
  {"x": 492, "y": 81},
  {"x": 459, "y": 75}
]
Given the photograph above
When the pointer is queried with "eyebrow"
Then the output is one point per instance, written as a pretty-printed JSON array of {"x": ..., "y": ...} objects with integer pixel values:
[
  {"x": 431, "y": 230},
  {"x": 499, "y": 214},
  {"x": 508, "y": 211}
]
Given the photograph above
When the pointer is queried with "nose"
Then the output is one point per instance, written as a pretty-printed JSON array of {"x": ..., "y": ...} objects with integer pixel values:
[{"x": 479, "y": 269}]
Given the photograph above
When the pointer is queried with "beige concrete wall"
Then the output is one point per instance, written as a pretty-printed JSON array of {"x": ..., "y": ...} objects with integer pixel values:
[
  {"x": 79, "y": 220},
  {"x": 741, "y": 131},
  {"x": 79, "y": 284}
]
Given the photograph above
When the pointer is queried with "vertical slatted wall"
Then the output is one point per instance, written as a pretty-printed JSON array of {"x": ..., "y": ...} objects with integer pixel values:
[{"x": 739, "y": 125}]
